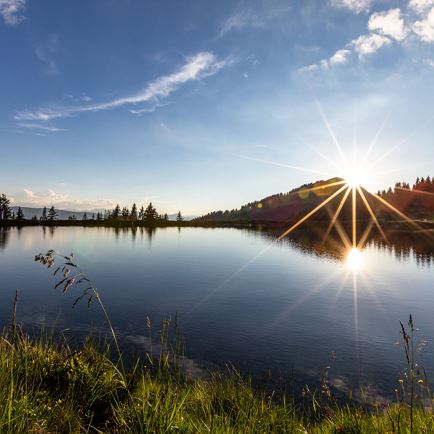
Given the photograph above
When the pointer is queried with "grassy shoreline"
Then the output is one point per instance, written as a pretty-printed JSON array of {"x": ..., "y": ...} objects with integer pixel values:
[{"x": 48, "y": 387}]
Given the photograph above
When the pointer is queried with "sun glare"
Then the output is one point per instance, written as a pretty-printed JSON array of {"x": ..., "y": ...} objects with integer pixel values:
[
  {"x": 356, "y": 177},
  {"x": 355, "y": 259}
]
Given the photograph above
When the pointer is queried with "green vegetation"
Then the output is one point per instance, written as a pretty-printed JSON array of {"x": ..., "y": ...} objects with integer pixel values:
[{"x": 48, "y": 387}]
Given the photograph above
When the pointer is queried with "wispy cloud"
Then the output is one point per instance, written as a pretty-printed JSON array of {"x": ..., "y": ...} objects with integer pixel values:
[
  {"x": 46, "y": 53},
  {"x": 357, "y": 6},
  {"x": 39, "y": 127},
  {"x": 80, "y": 98},
  {"x": 150, "y": 109},
  {"x": 11, "y": 11},
  {"x": 197, "y": 67},
  {"x": 245, "y": 16}
]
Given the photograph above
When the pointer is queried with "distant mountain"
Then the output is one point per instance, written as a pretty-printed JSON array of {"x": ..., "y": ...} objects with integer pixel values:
[
  {"x": 172, "y": 217},
  {"x": 61, "y": 214},
  {"x": 65, "y": 214}
]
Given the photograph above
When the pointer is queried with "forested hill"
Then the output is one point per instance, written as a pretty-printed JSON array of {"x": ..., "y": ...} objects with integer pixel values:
[
  {"x": 279, "y": 207},
  {"x": 416, "y": 200}
]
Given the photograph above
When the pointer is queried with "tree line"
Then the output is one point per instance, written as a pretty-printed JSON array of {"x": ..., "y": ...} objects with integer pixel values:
[
  {"x": 413, "y": 199},
  {"x": 6, "y": 212},
  {"x": 148, "y": 214}
]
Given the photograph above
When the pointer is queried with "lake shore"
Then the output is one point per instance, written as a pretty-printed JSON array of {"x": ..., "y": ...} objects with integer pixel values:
[
  {"x": 48, "y": 387},
  {"x": 424, "y": 224}
]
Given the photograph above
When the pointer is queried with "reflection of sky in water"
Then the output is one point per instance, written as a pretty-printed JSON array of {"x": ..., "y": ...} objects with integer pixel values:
[{"x": 287, "y": 311}]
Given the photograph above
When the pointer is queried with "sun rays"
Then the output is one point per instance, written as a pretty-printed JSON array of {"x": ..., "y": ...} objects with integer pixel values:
[{"x": 353, "y": 209}]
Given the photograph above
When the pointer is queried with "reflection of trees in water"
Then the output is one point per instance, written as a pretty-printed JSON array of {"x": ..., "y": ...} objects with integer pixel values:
[
  {"x": 4, "y": 237},
  {"x": 51, "y": 231},
  {"x": 403, "y": 245},
  {"x": 150, "y": 232},
  {"x": 132, "y": 231},
  {"x": 407, "y": 245}
]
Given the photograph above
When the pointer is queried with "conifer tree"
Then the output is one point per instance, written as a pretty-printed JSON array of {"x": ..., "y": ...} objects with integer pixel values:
[
  {"x": 150, "y": 213},
  {"x": 133, "y": 213},
  {"x": 116, "y": 212},
  {"x": 20, "y": 214},
  {"x": 44, "y": 213},
  {"x": 52, "y": 214},
  {"x": 142, "y": 213},
  {"x": 84, "y": 216},
  {"x": 5, "y": 210},
  {"x": 179, "y": 217},
  {"x": 125, "y": 212}
]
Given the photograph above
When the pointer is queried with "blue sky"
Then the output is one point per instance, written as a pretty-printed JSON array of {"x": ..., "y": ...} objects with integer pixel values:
[{"x": 204, "y": 105}]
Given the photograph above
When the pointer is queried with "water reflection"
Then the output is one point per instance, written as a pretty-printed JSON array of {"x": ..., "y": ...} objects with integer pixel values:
[
  {"x": 355, "y": 260},
  {"x": 403, "y": 245},
  {"x": 4, "y": 237},
  {"x": 286, "y": 311}
]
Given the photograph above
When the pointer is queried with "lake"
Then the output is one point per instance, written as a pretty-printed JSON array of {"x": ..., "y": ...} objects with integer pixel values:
[{"x": 279, "y": 312}]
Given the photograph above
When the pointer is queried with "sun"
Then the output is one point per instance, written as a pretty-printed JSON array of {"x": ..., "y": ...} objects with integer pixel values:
[
  {"x": 356, "y": 176},
  {"x": 354, "y": 179},
  {"x": 355, "y": 259}
]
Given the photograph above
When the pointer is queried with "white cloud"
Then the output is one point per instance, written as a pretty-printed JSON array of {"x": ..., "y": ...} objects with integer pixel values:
[
  {"x": 48, "y": 197},
  {"x": 30, "y": 198},
  {"x": 150, "y": 109},
  {"x": 238, "y": 20},
  {"x": 389, "y": 23},
  {"x": 385, "y": 27},
  {"x": 199, "y": 66},
  {"x": 356, "y": 6},
  {"x": 39, "y": 127},
  {"x": 80, "y": 98},
  {"x": 46, "y": 53},
  {"x": 324, "y": 64},
  {"x": 429, "y": 62},
  {"x": 340, "y": 57},
  {"x": 243, "y": 17},
  {"x": 368, "y": 44},
  {"x": 308, "y": 69},
  {"x": 420, "y": 6},
  {"x": 425, "y": 28},
  {"x": 11, "y": 10}
]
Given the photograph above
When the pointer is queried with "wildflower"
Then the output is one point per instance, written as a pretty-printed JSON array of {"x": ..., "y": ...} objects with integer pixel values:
[
  {"x": 401, "y": 381},
  {"x": 420, "y": 381}
]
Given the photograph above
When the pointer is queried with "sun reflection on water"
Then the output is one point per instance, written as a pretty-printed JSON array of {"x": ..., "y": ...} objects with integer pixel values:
[{"x": 355, "y": 259}]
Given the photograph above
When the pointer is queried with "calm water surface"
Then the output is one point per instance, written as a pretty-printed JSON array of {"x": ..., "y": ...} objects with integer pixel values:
[{"x": 290, "y": 312}]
